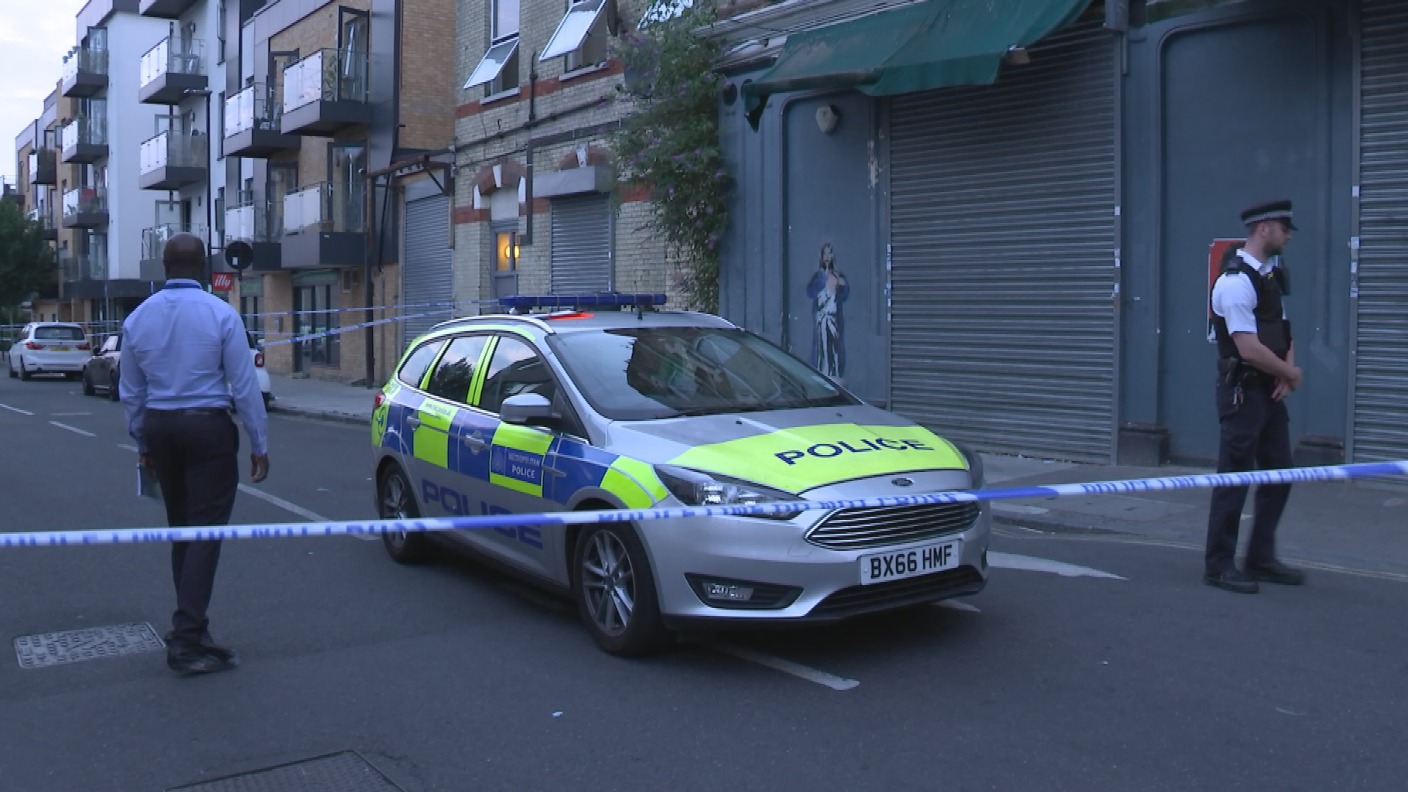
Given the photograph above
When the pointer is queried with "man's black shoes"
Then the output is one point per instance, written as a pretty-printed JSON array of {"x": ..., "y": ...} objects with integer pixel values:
[
  {"x": 1275, "y": 572},
  {"x": 1232, "y": 580},
  {"x": 188, "y": 659}
]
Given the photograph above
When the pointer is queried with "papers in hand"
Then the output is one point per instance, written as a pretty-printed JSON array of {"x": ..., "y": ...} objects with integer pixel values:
[{"x": 147, "y": 484}]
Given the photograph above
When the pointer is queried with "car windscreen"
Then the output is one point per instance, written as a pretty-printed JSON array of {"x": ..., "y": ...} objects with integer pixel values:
[
  {"x": 664, "y": 372},
  {"x": 58, "y": 333}
]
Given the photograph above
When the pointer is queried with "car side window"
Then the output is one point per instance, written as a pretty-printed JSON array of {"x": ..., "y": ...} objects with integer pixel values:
[
  {"x": 516, "y": 368},
  {"x": 110, "y": 345},
  {"x": 454, "y": 373},
  {"x": 413, "y": 370}
]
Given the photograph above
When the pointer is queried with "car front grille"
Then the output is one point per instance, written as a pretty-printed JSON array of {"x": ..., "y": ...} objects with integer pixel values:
[
  {"x": 851, "y": 529},
  {"x": 895, "y": 593}
]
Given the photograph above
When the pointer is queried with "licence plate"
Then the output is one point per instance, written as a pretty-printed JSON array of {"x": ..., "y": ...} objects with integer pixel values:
[
  {"x": 58, "y": 349},
  {"x": 913, "y": 562}
]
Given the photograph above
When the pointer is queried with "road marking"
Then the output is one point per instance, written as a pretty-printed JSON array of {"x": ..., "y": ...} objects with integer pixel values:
[
  {"x": 1017, "y": 508},
  {"x": 788, "y": 667},
  {"x": 16, "y": 409},
  {"x": 957, "y": 605},
  {"x": 131, "y": 448},
  {"x": 1033, "y": 564},
  {"x": 68, "y": 415},
  {"x": 73, "y": 429}
]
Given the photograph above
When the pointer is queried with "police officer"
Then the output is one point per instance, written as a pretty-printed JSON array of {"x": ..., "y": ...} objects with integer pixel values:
[
  {"x": 1256, "y": 371},
  {"x": 180, "y": 348}
]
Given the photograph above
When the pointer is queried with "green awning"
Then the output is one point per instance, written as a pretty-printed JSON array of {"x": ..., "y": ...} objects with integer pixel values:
[{"x": 919, "y": 47}]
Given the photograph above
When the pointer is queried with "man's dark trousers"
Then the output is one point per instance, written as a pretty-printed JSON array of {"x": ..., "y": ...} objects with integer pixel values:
[
  {"x": 196, "y": 457},
  {"x": 1255, "y": 436}
]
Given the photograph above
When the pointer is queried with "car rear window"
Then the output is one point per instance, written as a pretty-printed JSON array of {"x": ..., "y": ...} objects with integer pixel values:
[{"x": 58, "y": 334}]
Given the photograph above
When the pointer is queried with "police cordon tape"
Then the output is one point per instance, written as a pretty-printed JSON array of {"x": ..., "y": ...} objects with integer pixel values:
[{"x": 490, "y": 521}]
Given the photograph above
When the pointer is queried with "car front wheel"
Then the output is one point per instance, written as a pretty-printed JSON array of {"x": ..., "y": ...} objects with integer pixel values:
[
  {"x": 615, "y": 591},
  {"x": 88, "y": 389},
  {"x": 395, "y": 502}
]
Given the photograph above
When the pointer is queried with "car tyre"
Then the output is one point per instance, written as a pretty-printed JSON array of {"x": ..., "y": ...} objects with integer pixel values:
[
  {"x": 88, "y": 389},
  {"x": 113, "y": 392},
  {"x": 24, "y": 372},
  {"x": 615, "y": 591},
  {"x": 395, "y": 501},
  {"x": 268, "y": 397}
]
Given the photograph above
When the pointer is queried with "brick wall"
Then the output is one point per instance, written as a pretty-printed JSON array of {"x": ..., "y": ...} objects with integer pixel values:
[{"x": 428, "y": 88}]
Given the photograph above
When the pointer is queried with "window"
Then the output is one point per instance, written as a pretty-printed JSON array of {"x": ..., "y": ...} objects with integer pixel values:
[
  {"x": 498, "y": 69},
  {"x": 455, "y": 374},
  {"x": 413, "y": 371},
  {"x": 580, "y": 39},
  {"x": 516, "y": 368},
  {"x": 506, "y": 251}
]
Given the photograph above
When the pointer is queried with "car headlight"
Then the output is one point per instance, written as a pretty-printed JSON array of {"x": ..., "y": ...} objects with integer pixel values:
[
  {"x": 695, "y": 488},
  {"x": 975, "y": 464}
]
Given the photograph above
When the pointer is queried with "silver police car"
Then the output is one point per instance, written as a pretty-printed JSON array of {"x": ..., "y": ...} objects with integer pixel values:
[{"x": 616, "y": 404}]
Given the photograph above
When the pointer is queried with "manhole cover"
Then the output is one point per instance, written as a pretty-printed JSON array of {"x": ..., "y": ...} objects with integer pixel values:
[
  {"x": 339, "y": 772},
  {"x": 90, "y": 643}
]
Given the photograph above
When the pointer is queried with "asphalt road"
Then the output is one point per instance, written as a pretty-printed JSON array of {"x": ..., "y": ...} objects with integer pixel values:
[{"x": 1122, "y": 672}]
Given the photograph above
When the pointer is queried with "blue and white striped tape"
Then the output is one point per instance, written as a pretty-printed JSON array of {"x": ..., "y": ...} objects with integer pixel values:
[{"x": 373, "y": 527}]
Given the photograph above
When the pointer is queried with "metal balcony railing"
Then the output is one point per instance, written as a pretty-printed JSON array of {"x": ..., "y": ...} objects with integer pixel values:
[
  {"x": 154, "y": 239},
  {"x": 173, "y": 149},
  {"x": 85, "y": 200},
  {"x": 252, "y": 108},
  {"x": 174, "y": 56},
  {"x": 85, "y": 266},
  {"x": 251, "y": 220},
  {"x": 323, "y": 206},
  {"x": 85, "y": 59},
  {"x": 328, "y": 75},
  {"x": 41, "y": 215},
  {"x": 86, "y": 131}
]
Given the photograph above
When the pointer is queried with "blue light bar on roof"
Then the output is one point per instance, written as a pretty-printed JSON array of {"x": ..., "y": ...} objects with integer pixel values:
[{"x": 525, "y": 302}]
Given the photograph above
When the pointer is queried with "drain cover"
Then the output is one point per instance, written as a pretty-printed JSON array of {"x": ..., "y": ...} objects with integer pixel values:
[
  {"x": 90, "y": 643},
  {"x": 339, "y": 772}
]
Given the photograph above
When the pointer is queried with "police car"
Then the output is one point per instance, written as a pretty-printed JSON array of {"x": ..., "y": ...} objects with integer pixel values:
[{"x": 614, "y": 403}]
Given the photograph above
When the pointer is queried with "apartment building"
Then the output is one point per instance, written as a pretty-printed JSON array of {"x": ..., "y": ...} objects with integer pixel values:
[
  {"x": 36, "y": 172},
  {"x": 332, "y": 124},
  {"x": 540, "y": 208},
  {"x": 102, "y": 129}
]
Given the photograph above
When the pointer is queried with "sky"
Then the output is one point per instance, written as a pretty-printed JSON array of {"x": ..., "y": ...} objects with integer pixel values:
[{"x": 34, "y": 36}]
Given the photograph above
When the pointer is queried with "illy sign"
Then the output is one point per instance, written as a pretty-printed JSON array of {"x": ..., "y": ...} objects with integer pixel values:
[{"x": 222, "y": 281}]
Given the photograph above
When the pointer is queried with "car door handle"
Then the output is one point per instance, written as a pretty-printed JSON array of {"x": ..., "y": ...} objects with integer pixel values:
[
  {"x": 475, "y": 442},
  {"x": 413, "y": 422},
  {"x": 554, "y": 472}
]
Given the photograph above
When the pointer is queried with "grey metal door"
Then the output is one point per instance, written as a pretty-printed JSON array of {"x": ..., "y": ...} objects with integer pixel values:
[
  {"x": 1003, "y": 223},
  {"x": 1380, "y": 428},
  {"x": 427, "y": 273},
  {"x": 581, "y": 244}
]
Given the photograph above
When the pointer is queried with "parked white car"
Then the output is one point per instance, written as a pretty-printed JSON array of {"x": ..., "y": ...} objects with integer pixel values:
[{"x": 49, "y": 348}]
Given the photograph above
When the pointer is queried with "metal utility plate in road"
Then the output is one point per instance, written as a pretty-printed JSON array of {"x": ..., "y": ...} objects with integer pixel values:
[
  {"x": 340, "y": 772},
  {"x": 91, "y": 643}
]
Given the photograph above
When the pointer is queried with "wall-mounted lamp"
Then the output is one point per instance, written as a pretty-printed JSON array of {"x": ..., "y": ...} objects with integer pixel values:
[
  {"x": 729, "y": 93},
  {"x": 1017, "y": 56},
  {"x": 827, "y": 117}
]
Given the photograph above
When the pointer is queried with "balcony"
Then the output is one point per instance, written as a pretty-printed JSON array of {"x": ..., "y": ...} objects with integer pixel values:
[
  {"x": 85, "y": 140},
  {"x": 173, "y": 160},
  {"x": 326, "y": 92},
  {"x": 154, "y": 243},
  {"x": 85, "y": 276},
  {"x": 170, "y": 70},
  {"x": 252, "y": 124},
  {"x": 85, "y": 72},
  {"x": 322, "y": 228},
  {"x": 42, "y": 217},
  {"x": 251, "y": 221},
  {"x": 86, "y": 207},
  {"x": 44, "y": 166},
  {"x": 164, "y": 9}
]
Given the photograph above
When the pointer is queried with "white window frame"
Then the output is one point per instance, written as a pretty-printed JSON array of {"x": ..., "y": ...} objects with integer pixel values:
[
  {"x": 503, "y": 47},
  {"x": 581, "y": 20}
]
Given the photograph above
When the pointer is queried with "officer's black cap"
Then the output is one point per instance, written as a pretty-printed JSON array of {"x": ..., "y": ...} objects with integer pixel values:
[{"x": 1271, "y": 210}]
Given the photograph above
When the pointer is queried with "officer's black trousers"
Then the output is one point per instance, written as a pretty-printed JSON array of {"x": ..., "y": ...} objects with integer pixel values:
[
  {"x": 196, "y": 458},
  {"x": 1255, "y": 436}
]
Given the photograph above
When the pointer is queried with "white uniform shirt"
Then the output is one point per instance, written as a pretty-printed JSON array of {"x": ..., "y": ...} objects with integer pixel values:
[{"x": 1234, "y": 296}]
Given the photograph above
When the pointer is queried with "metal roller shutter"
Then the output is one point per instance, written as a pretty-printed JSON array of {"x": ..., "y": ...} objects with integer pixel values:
[
  {"x": 1381, "y": 370},
  {"x": 1003, "y": 265},
  {"x": 581, "y": 244},
  {"x": 427, "y": 275}
]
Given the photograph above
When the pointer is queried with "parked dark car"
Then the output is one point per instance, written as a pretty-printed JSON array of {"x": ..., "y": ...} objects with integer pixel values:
[{"x": 101, "y": 372}]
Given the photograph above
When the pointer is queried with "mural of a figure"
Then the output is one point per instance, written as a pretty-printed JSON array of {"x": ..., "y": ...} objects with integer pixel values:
[{"x": 827, "y": 289}]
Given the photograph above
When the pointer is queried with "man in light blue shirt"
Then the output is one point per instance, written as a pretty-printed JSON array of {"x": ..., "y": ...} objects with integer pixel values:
[{"x": 185, "y": 363}]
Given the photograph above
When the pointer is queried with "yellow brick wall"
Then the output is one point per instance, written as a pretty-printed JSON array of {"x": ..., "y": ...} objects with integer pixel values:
[{"x": 428, "y": 89}]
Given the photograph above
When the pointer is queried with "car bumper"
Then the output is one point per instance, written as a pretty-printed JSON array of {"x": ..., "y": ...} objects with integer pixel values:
[
  {"x": 792, "y": 579},
  {"x": 41, "y": 362}
]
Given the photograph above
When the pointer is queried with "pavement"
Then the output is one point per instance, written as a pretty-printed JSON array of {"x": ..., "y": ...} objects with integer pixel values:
[{"x": 1357, "y": 525}]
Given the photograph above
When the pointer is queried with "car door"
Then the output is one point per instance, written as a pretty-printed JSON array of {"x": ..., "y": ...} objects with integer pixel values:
[
  {"x": 450, "y": 439},
  {"x": 519, "y": 468},
  {"x": 108, "y": 361}
]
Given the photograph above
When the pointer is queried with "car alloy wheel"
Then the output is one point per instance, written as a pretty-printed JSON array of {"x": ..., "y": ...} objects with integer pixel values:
[
  {"x": 395, "y": 502},
  {"x": 88, "y": 389},
  {"x": 616, "y": 592},
  {"x": 24, "y": 372}
]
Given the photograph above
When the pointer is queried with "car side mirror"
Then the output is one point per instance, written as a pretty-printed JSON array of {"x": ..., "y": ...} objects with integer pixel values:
[{"x": 527, "y": 409}]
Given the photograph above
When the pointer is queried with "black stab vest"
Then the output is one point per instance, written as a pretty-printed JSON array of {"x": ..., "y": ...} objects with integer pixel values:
[{"x": 1271, "y": 328}]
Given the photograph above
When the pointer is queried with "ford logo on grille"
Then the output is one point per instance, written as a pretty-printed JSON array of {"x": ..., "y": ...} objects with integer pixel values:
[{"x": 903, "y": 482}]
